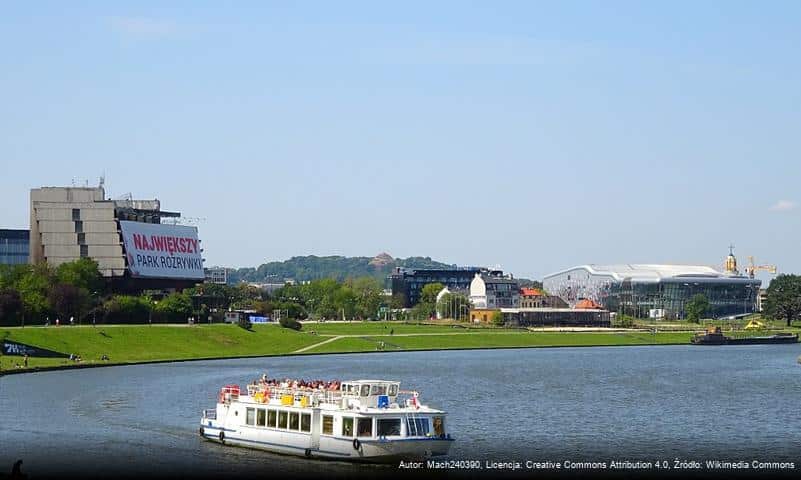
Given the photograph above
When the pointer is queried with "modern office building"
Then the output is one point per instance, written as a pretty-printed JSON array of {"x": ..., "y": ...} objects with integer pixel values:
[
  {"x": 656, "y": 290},
  {"x": 125, "y": 237},
  {"x": 14, "y": 246},
  {"x": 408, "y": 283},
  {"x": 494, "y": 291}
]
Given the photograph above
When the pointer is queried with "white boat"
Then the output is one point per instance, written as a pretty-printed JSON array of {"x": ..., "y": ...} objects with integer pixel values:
[{"x": 361, "y": 420}]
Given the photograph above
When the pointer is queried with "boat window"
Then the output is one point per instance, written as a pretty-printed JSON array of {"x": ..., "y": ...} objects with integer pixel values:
[
  {"x": 365, "y": 427},
  {"x": 261, "y": 416},
  {"x": 393, "y": 390},
  {"x": 328, "y": 424},
  {"x": 388, "y": 426},
  {"x": 294, "y": 421},
  {"x": 416, "y": 427},
  {"x": 365, "y": 390},
  {"x": 378, "y": 390},
  {"x": 305, "y": 422},
  {"x": 283, "y": 417},
  {"x": 347, "y": 426},
  {"x": 271, "y": 418},
  {"x": 250, "y": 416},
  {"x": 439, "y": 426}
]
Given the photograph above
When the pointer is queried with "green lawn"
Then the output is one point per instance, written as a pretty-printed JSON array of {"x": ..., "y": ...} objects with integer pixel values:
[
  {"x": 499, "y": 338},
  {"x": 158, "y": 342},
  {"x": 128, "y": 344}
]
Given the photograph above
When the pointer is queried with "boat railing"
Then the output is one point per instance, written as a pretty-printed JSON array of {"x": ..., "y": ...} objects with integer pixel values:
[{"x": 288, "y": 395}]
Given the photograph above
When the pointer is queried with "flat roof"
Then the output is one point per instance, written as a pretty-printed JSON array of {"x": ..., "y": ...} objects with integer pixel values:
[{"x": 657, "y": 272}]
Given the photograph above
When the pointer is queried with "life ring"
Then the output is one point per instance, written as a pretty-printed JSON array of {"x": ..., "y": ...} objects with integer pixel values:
[
  {"x": 201, "y": 430},
  {"x": 357, "y": 444},
  {"x": 222, "y": 437},
  {"x": 308, "y": 453}
]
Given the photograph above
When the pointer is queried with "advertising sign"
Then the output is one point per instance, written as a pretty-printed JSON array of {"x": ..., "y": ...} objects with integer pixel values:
[
  {"x": 15, "y": 348},
  {"x": 162, "y": 251}
]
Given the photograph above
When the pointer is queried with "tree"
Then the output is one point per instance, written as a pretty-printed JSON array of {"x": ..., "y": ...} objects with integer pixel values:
[
  {"x": 33, "y": 286},
  {"x": 696, "y": 307},
  {"x": 68, "y": 301},
  {"x": 429, "y": 292},
  {"x": 784, "y": 298},
  {"x": 497, "y": 318},
  {"x": 127, "y": 309},
  {"x": 81, "y": 273},
  {"x": 10, "y": 306},
  {"x": 174, "y": 308}
]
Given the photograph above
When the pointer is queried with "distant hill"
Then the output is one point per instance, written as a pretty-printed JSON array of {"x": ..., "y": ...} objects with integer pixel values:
[{"x": 312, "y": 267}]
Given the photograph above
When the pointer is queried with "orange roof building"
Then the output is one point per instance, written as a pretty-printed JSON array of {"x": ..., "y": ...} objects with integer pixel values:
[
  {"x": 587, "y": 304},
  {"x": 530, "y": 292}
]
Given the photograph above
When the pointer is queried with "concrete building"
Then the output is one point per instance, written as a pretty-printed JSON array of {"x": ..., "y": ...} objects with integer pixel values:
[
  {"x": 490, "y": 291},
  {"x": 68, "y": 223},
  {"x": 133, "y": 249},
  {"x": 14, "y": 246},
  {"x": 645, "y": 290},
  {"x": 218, "y": 275}
]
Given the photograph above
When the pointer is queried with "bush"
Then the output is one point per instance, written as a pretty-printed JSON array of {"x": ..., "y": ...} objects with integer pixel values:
[
  {"x": 497, "y": 318},
  {"x": 290, "y": 323}
]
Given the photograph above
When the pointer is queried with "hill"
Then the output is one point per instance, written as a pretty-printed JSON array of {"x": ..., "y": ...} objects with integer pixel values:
[{"x": 312, "y": 267}]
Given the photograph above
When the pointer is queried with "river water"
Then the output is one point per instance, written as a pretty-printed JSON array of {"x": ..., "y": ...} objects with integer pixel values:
[{"x": 579, "y": 404}]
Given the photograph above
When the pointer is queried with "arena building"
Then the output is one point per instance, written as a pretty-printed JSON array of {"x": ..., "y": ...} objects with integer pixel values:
[{"x": 657, "y": 291}]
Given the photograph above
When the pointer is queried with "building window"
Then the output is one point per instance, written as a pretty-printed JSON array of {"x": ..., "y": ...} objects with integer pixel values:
[
  {"x": 81, "y": 238},
  {"x": 76, "y": 213},
  {"x": 84, "y": 251},
  {"x": 78, "y": 226}
]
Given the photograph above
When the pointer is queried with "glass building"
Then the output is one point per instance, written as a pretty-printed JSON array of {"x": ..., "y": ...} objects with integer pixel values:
[
  {"x": 409, "y": 283},
  {"x": 14, "y": 246},
  {"x": 656, "y": 290}
]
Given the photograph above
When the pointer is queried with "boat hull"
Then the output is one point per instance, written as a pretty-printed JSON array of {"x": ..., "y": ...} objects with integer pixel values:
[
  {"x": 722, "y": 340},
  {"x": 356, "y": 450}
]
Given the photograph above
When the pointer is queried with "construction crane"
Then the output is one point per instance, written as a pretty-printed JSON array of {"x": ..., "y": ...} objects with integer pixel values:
[{"x": 751, "y": 269}]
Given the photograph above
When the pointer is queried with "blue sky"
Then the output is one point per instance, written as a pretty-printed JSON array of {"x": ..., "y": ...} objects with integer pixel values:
[{"x": 531, "y": 135}]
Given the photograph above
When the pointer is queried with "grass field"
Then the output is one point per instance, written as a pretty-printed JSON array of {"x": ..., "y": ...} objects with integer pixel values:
[{"x": 141, "y": 343}]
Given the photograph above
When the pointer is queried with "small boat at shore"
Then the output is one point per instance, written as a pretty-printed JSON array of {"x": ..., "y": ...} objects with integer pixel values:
[
  {"x": 714, "y": 336},
  {"x": 362, "y": 420}
]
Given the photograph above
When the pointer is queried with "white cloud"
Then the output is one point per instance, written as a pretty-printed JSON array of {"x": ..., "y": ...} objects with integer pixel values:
[
  {"x": 783, "y": 206},
  {"x": 142, "y": 27}
]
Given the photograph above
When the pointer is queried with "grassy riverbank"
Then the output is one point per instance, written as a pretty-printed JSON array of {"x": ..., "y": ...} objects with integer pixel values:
[{"x": 144, "y": 343}]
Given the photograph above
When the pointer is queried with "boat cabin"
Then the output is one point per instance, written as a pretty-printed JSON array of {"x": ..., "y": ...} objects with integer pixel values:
[{"x": 372, "y": 393}]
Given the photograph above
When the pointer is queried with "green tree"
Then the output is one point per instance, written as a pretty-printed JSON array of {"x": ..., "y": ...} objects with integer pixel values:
[
  {"x": 10, "y": 306},
  {"x": 127, "y": 309},
  {"x": 81, "y": 273},
  {"x": 696, "y": 307},
  {"x": 368, "y": 296},
  {"x": 174, "y": 308},
  {"x": 783, "y": 299},
  {"x": 33, "y": 287},
  {"x": 497, "y": 318},
  {"x": 68, "y": 301},
  {"x": 429, "y": 292}
]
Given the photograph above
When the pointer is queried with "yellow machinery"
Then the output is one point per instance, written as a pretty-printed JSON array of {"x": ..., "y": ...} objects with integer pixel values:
[
  {"x": 751, "y": 268},
  {"x": 754, "y": 324}
]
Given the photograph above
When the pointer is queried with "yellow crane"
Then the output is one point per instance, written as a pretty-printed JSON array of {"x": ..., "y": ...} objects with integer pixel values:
[{"x": 751, "y": 268}]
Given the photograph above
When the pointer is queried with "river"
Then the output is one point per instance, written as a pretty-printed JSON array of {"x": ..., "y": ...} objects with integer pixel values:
[{"x": 577, "y": 404}]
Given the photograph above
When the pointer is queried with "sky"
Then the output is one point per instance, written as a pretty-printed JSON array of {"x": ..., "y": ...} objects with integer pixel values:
[{"x": 529, "y": 135}]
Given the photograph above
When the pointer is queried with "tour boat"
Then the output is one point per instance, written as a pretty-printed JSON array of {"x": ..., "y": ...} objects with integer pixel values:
[{"x": 361, "y": 420}]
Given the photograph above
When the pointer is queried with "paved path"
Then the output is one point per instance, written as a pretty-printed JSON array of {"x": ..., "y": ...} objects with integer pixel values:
[{"x": 321, "y": 343}]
